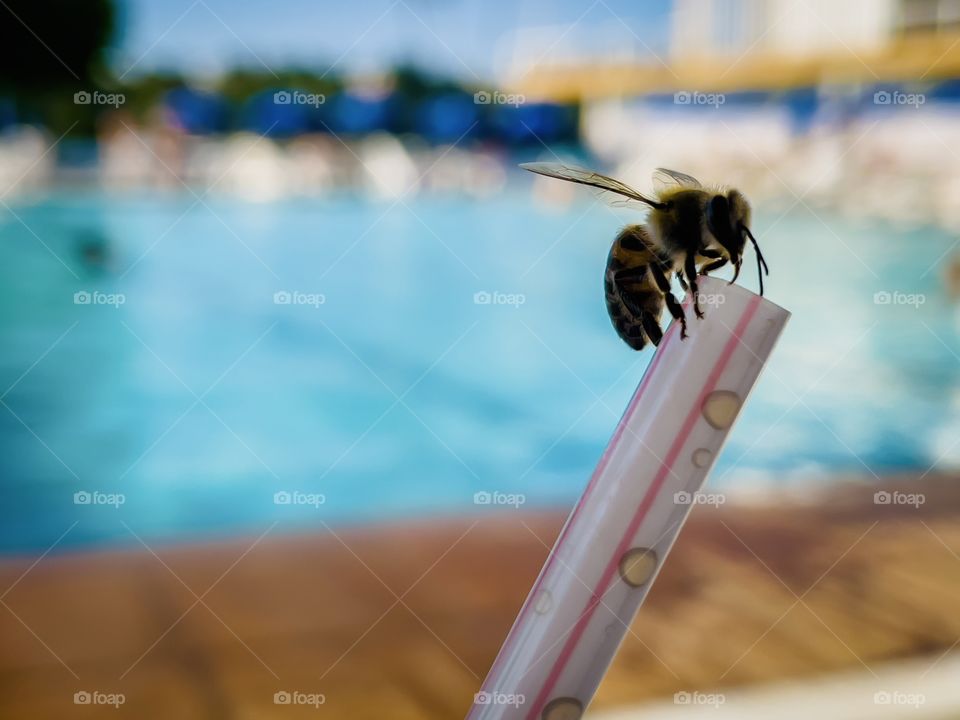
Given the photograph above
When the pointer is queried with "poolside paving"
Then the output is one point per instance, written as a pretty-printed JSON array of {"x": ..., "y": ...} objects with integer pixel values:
[{"x": 403, "y": 621}]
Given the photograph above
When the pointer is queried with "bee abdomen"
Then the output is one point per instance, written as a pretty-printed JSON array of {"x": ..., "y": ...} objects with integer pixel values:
[
  {"x": 634, "y": 302},
  {"x": 634, "y": 307}
]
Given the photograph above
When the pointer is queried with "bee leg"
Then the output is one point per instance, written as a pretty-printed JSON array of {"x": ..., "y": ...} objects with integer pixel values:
[
  {"x": 673, "y": 305},
  {"x": 652, "y": 328},
  {"x": 690, "y": 270},
  {"x": 736, "y": 271},
  {"x": 635, "y": 338},
  {"x": 710, "y": 253},
  {"x": 683, "y": 282},
  {"x": 676, "y": 309},
  {"x": 715, "y": 265},
  {"x": 629, "y": 276}
]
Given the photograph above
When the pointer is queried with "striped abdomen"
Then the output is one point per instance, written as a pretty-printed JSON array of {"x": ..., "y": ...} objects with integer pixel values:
[{"x": 634, "y": 301}]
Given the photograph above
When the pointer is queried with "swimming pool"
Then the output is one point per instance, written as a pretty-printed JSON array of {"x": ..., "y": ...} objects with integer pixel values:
[{"x": 378, "y": 361}]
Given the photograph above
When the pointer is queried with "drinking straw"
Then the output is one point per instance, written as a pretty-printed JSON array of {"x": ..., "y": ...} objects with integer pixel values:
[{"x": 617, "y": 537}]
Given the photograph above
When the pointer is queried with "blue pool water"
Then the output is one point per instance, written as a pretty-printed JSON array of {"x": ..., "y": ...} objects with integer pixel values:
[{"x": 398, "y": 396}]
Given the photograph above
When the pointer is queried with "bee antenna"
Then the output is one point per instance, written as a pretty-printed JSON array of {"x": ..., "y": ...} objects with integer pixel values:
[
  {"x": 757, "y": 249},
  {"x": 761, "y": 263}
]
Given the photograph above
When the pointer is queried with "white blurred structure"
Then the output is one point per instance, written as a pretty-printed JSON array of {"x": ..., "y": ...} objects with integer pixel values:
[
  {"x": 899, "y": 165},
  {"x": 25, "y": 160},
  {"x": 253, "y": 167},
  {"x": 734, "y": 27}
]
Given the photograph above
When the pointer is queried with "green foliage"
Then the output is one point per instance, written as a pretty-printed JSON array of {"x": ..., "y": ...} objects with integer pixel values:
[
  {"x": 240, "y": 84},
  {"x": 51, "y": 49},
  {"x": 54, "y": 42}
]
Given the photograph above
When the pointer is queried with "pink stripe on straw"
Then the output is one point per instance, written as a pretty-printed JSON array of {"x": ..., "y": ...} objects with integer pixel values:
[
  {"x": 601, "y": 466},
  {"x": 665, "y": 467}
]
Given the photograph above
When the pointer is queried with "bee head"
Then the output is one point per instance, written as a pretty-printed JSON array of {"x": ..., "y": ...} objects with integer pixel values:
[{"x": 728, "y": 220}]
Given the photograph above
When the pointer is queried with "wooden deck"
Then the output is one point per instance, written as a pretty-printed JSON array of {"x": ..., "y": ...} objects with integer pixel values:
[{"x": 403, "y": 621}]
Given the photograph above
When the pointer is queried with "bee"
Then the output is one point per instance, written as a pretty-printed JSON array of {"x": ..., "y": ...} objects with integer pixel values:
[{"x": 690, "y": 231}]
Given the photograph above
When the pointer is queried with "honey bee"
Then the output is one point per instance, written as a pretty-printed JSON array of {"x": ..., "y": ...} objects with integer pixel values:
[{"x": 690, "y": 231}]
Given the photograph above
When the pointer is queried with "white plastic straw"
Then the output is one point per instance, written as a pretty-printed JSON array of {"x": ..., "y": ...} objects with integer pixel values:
[{"x": 618, "y": 535}]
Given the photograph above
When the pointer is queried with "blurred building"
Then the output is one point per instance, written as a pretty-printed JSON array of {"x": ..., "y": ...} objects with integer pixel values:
[
  {"x": 733, "y": 45},
  {"x": 735, "y": 27}
]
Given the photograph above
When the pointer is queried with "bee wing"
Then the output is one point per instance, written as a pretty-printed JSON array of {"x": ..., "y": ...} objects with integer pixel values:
[
  {"x": 605, "y": 184},
  {"x": 664, "y": 178}
]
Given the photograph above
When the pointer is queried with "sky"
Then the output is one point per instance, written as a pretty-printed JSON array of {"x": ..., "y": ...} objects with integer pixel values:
[{"x": 469, "y": 39}]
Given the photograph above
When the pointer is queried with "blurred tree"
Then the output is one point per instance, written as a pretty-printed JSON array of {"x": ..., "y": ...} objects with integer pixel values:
[
  {"x": 145, "y": 93},
  {"x": 414, "y": 87},
  {"x": 240, "y": 84},
  {"x": 50, "y": 50}
]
